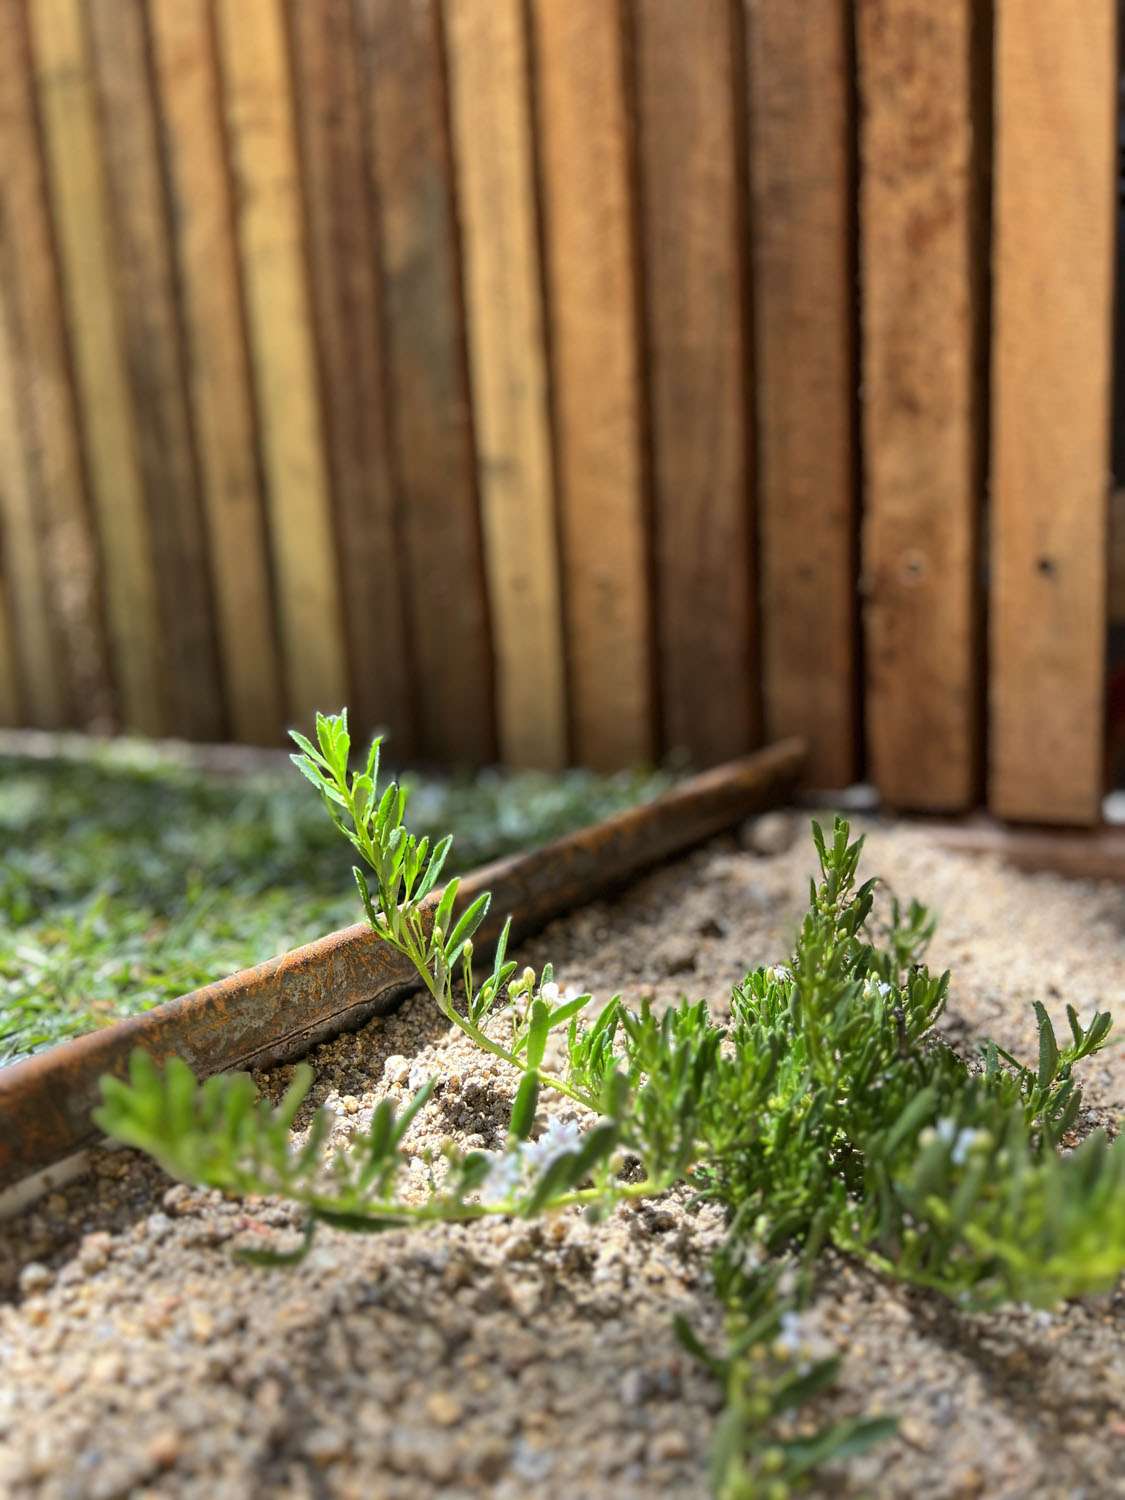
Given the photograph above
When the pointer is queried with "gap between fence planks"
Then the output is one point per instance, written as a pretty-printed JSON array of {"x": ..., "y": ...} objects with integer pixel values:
[
  {"x": 344, "y": 258},
  {"x": 694, "y": 241},
  {"x": 585, "y": 139},
  {"x": 254, "y": 59},
  {"x": 1054, "y": 218},
  {"x": 154, "y": 358},
  {"x": 494, "y": 155},
  {"x": 800, "y": 109},
  {"x": 403, "y": 78},
  {"x": 77, "y": 189},
  {"x": 76, "y": 682},
  {"x": 218, "y": 376},
  {"x": 921, "y": 399}
]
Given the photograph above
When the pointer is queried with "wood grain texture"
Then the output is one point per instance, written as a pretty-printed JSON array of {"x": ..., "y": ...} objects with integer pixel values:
[
  {"x": 218, "y": 375},
  {"x": 31, "y": 636},
  {"x": 494, "y": 151},
  {"x": 693, "y": 244},
  {"x": 142, "y": 260},
  {"x": 1053, "y": 216},
  {"x": 589, "y": 230},
  {"x": 403, "y": 80},
  {"x": 76, "y": 177},
  {"x": 344, "y": 255},
  {"x": 805, "y": 374},
  {"x": 253, "y": 49},
  {"x": 921, "y": 407},
  {"x": 67, "y": 571}
]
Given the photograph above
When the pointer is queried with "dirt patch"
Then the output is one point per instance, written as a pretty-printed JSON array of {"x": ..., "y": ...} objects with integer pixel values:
[{"x": 510, "y": 1359}]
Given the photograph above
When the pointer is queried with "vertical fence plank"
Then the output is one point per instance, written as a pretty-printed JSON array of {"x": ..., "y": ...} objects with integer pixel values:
[
  {"x": 433, "y": 442},
  {"x": 345, "y": 280},
  {"x": 921, "y": 407},
  {"x": 254, "y": 59},
  {"x": 694, "y": 236},
  {"x": 68, "y": 570},
  {"x": 1056, "y": 101},
  {"x": 11, "y": 707},
  {"x": 75, "y": 172},
  {"x": 154, "y": 355},
  {"x": 494, "y": 152},
  {"x": 192, "y": 140},
  {"x": 580, "y": 74},
  {"x": 30, "y": 636},
  {"x": 799, "y": 64}
]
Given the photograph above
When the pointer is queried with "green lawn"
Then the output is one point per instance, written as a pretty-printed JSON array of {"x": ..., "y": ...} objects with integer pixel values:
[{"x": 127, "y": 877}]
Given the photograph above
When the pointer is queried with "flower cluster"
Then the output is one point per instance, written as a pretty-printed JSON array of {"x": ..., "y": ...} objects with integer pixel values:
[{"x": 519, "y": 1166}]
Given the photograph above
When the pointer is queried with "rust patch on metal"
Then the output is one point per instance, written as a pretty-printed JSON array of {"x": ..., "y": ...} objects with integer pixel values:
[{"x": 279, "y": 1009}]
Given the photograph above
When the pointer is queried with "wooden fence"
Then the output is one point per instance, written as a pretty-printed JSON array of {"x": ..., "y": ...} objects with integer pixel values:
[{"x": 566, "y": 379}]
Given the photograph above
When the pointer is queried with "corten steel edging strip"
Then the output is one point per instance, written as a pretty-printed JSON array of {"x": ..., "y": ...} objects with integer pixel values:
[{"x": 281, "y": 1008}]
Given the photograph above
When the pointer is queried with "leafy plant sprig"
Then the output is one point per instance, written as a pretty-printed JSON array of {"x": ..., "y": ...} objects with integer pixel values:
[
  {"x": 829, "y": 1112},
  {"x": 438, "y": 944}
]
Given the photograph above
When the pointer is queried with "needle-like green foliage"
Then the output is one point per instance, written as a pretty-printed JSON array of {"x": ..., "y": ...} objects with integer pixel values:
[{"x": 828, "y": 1112}]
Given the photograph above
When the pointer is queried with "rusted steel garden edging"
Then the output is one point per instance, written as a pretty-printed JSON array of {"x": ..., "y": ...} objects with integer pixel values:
[{"x": 281, "y": 1008}]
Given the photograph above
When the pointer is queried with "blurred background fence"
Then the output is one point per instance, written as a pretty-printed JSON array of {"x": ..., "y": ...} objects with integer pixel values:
[{"x": 566, "y": 380}]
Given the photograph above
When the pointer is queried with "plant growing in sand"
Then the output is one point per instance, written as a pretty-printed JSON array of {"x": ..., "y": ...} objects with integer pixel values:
[{"x": 827, "y": 1112}]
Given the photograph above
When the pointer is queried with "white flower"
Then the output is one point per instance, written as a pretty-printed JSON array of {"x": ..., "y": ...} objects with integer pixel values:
[
  {"x": 559, "y": 1137},
  {"x": 875, "y": 989},
  {"x": 550, "y": 992},
  {"x": 947, "y": 1131},
  {"x": 504, "y": 1176},
  {"x": 779, "y": 974},
  {"x": 791, "y": 1339},
  {"x": 964, "y": 1143}
]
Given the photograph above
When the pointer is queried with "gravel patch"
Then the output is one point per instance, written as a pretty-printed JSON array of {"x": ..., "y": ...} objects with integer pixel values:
[{"x": 512, "y": 1359}]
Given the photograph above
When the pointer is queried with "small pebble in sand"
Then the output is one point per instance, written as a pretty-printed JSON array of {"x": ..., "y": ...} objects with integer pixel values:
[
  {"x": 396, "y": 1069},
  {"x": 444, "y": 1409},
  {"x": 35, "y": 1278},
  {"x": 772, "y": 833}
]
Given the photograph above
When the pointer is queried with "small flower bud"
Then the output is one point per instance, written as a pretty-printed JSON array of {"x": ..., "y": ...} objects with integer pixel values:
[
  {"x": 550, "y": 993},
  {"x": 467, "y": 950}
]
